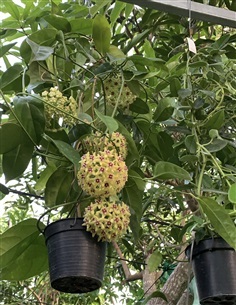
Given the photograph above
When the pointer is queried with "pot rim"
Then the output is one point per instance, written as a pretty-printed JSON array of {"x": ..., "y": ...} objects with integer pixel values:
[
  {"x": 63, "y": 225},
  {"x": 207, "y": 245}
]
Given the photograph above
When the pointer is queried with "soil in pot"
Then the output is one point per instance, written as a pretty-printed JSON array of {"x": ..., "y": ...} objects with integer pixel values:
[
  {"x": 76, "y": 259},
  {"x": 214, "y": 267}
]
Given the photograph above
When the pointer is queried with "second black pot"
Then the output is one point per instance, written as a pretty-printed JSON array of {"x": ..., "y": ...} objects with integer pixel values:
[
  {"x": 76, "y": 259},
  {"x": 214, "y": 267}
]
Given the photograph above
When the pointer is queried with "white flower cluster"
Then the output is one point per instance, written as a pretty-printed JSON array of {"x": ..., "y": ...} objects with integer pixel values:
[
  {"x": 58, "y": 106},
  {"x": 97, "y": 142},
  {"x": 112, "y": 88}
]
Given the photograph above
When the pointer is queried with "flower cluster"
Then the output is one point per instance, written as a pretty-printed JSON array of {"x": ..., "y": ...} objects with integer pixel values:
[
  {"x": 115, "y": 142},
  {"x": 108, "y": 220},
  {"x": 102, "y": 174},
  {"x": 58, "y": 106},
  {"x": 112, "y": 88}
]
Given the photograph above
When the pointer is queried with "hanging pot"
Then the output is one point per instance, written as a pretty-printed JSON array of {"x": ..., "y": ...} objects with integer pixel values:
[
  {"x": 214, "y": 268},
  {"x": 76, "y": 259}
]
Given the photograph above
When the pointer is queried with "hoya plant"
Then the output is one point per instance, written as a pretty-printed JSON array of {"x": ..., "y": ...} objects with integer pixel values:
[{"x": 111, "y": 117}]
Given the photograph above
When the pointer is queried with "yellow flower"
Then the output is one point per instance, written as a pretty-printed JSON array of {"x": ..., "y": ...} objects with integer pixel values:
[
  {"x": 102, "y": 174},
  {"x": 108, "y": 220}
]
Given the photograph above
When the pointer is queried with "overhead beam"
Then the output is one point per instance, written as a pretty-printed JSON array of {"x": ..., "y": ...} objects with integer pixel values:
[{"x": 212, "y": 14}]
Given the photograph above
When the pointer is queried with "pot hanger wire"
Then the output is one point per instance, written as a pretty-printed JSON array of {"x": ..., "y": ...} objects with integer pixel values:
[{"x": 48, "y": 214}]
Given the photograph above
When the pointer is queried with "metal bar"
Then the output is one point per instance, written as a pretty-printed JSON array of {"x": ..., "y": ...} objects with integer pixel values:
[{"x": 212, "y": 14}]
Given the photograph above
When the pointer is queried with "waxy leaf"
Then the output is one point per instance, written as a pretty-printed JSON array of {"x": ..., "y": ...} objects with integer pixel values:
[
  {"x": 58, "y": 22},
  {"x": 16, "y": 239},
  {"x": 154, "y": 261},
  {"x": 110, "y": 123},
  {"x": 216, "y": 120},
  {"x": 139, "y": 106},
  {"x": 232, "y": 193},
  {"x": 8, "y": 138},
  {"x": 30, "y": 112},
  {"x": 10, "y": 75},
  {"x": 31, "y": 262},
  {"x": 68, "y": 151},
  {"x": 5, "y": 48},
  {"x": 101, "y": 34},
  {"x": 190, "y": 143},
  {"x": 39, "y": 52},
  {"x": 15, "y": 162},
  {"x": 44, "y": 176},
  {"x": 22, "y": 251},
  {"x": 164, "y": 110},
  {"x": 220, "y": 219},
  {"x": 166, "y": 170},
  {"x": 58, "y": 187},
  {"x": 4, "y": 189},
  {"x": 216, "y": 145},
  {"x": 82, "y": 26}
]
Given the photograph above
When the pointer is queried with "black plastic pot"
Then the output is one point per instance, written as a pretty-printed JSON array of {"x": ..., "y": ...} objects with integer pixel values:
[
  {"x": 76, "y": 259},
  {"x": 214, "y": 268}
]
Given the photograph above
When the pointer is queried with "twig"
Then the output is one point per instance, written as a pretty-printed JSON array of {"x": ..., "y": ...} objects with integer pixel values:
[{"x": 128, "y": 276}]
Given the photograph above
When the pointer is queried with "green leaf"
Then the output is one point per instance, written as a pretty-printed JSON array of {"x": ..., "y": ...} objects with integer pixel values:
[
  {"x": 11, "y": 135},
  {"x": 12, "y": 8},
  {"x": 132, "y": 148},
  {"x": 4, "y": 49},
  {"x": 68, "y": 151},
  {"x": 116, "y": 55},
  {"x": 15, "y": 161},
  {"x": 139, "y": 106},
  {"x": 138, "y": 177},
  {"x": 190, "y": 144},
  {"x": 101, "y": 34},
  {"x": 166, "y": 170},
  {"x": 216, "y": 120},
  {"x": 198, "y": 64},
  {"x": 220, "y": 219},
  {"x": 139, "y": 37},
  {"x": 58, "y": 187},
  {"x": 183, "y": 93},
  {"x": 22, "y": 251},
  {"x": 31, "y": 262},
  {"x": 154, "y": 261},
  {"x": 110, "y": 123},
  {"x": 175, "y": 86},
  {"x": 30, "y": 112},
  {"x": 221, "y": 42},
  {"x": 4, "y": 189},
  {"x": 149, "y": 62},
  {"x": 132, "y": 196},
  {"x": 10, "y": 75},
  {"x": 232, "y": 193},
  {"x": 39, "y": 52},
  {"x": 44, "y": 37},
  {"x": 58, "y": 22},
  {"x": 16, "y": 240},
  {"x": 216, "y": 145},
  {"x": 99, "y": 5},
  {"x": 82, "y": 26},
  {"x": 44, "y": 176},
  {"x": 164, "y": 110},
  {"x": 116, "y": 11}
]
